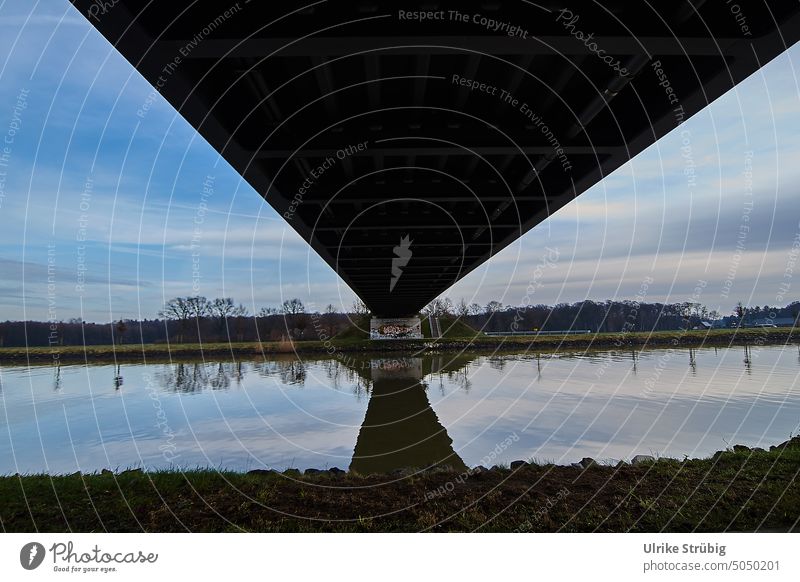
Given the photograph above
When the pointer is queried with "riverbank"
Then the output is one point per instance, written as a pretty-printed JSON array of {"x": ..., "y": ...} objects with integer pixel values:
[
  {"x": 478, "y": 342},
  {"x": 736, "y": 490}
]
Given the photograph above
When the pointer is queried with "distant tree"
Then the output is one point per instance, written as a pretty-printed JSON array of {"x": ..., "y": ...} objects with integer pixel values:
[
  {"x": 741, "y": 311},
  {"x": 177, "y": 309},
  {"x": 462, "y": 309},
  {"x": 493, "y": 306},
  {"x": 221, "y": 308},
  {"x": 447, "y": 306},
  {"x": 360, "y": 308},
  {"x": 475, "y": 309},
  {"x": 267, "y": 311},
  {"x": 439, "y": 307},
  {"x": 199, "y": 306},
  {"x": 293, "y": 307},
  {"x": 329, "y": 317},
  {"x": 121, "y": 328},
  {"x": 294, "y": 315},
  {"x": 433, "y": 309}
]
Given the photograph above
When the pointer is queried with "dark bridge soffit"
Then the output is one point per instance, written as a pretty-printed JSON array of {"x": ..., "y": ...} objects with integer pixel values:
[{"x": 463, "y": 173}]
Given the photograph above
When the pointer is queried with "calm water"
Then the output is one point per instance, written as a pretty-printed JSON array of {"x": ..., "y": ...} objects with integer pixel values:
[{"x": 378, "y": 414}]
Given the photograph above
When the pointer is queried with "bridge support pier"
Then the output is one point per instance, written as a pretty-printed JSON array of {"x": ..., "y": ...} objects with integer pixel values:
[{"x": 395, "y": 328}]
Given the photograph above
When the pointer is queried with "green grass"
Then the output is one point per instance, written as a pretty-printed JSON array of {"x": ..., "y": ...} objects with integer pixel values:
[
  {"x": 454, "y": 328},
  {"x": 359, "y": 330},
  {"x": 458, "y": 336},
  {"x": 733, "y": 491}
]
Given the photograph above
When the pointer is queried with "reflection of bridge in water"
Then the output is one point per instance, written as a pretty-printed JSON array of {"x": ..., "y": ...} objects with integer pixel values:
[{"x": 400, "y": 429}]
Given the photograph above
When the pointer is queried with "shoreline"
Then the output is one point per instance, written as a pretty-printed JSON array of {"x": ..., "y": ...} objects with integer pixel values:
[
  {"x": 479, "y": 343},
  {"x": 739, "y": 489}
]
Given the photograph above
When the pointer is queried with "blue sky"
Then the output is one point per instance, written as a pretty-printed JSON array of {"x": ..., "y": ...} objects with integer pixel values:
[{"x": 82, "y": 164}]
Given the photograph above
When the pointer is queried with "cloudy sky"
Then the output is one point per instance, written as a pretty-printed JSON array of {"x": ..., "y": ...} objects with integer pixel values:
[{"x": 104, "y": 202}]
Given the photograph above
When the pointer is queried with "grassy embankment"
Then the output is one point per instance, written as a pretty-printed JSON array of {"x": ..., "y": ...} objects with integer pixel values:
[
  {"x": 740, "y": 490},
  {"x": 457, "y": 336}
]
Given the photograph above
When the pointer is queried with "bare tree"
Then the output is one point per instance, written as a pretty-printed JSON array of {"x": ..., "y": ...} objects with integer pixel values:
[
  {"x": 493, "y": 306},
  {"x": 294, "y": 315},
  {"x": 437, "y": 307},
  {"x": 267, "y": 311},
  {"x": 360, "y": 308},
  {"x": 177, "y": 309},
  {"x": 330, "y": 319},
  {"x": 199, "y": 306},
  {"x": 740, "y": 311},
  {"x": 447, "y": 306},
  {"x": 121, "y": 328},
  {"x": 293, "y": 307},
  {"x": 222, "y": 308}
]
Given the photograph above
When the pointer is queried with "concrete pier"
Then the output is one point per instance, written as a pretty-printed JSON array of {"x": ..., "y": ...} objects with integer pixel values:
[{"x": 384, "y": 328}]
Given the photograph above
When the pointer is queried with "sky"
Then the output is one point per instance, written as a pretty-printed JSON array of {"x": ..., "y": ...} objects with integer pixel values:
[{"x": 108, "y": 210}]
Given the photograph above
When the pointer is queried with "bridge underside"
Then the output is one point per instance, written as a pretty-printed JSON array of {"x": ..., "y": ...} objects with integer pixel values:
[{"x": 369, "y": 130}]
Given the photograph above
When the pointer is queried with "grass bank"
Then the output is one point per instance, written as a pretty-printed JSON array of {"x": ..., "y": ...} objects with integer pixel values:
[
  {"x": 452, "y": 341},
  {"x": 737, "y": 490}
]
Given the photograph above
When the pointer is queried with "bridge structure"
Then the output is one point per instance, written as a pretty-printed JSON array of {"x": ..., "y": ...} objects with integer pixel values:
[{"x": 410, "y": 142}]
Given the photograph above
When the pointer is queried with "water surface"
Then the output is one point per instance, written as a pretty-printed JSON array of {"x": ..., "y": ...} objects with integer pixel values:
[{"x": 377, "y": 414}]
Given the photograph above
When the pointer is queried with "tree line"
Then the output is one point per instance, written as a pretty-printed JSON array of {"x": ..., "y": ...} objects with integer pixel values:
[
  {"x": 604, "y": 316},
  {"x": 195, "y": 318},
  {"x": 184, "y": 320}
]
